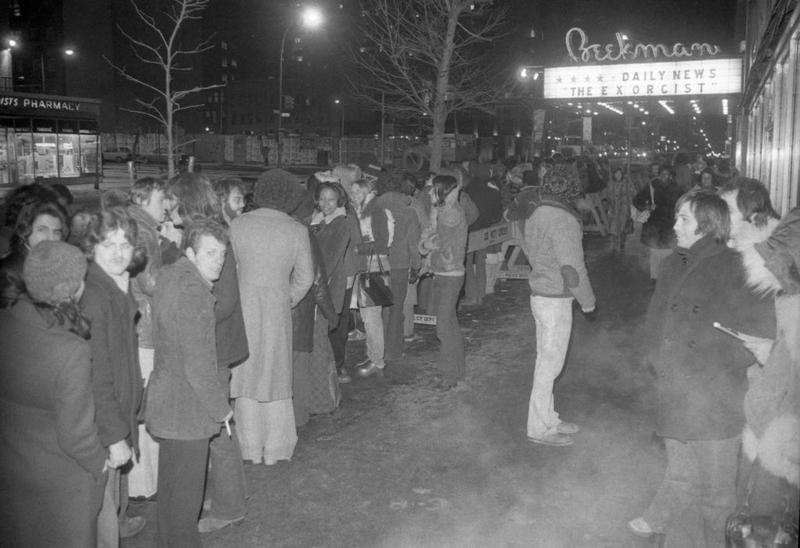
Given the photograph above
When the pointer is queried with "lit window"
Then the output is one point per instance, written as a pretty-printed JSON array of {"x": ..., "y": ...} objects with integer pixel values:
[
  {"x": 224, "y": 78},
  {"x": 224, "y": 61},
  {"x": 234, "y": 63},
  {"x": 224, "y": 44}
]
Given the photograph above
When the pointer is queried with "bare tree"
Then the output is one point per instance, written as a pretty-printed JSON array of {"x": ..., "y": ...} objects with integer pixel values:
[
  {"x": 164, "y": 50},
  {"x": 422, "y": 60}
]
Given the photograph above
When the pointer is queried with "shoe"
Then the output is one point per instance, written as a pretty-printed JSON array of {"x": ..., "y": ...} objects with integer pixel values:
[
  {"x": 134, "y": 526},
  {"x": 411, "y": 338},
  {"x": 567, "y": 428},
  {"x": 209, "y": 524},
  {"x": 640, "y": 528},
  {"x": 369, "y": 369},
  {"x": 356, "y": 335},
  {"x": 140, "y": 500},
  {"x": 270, "y": 462},
  {"x": 553, "y": 438},
  {"x": 363, "y": 362},
  {"x": 343, "y": 376}
]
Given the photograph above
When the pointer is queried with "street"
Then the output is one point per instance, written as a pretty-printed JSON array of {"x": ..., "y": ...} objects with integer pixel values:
[{"x": 401, "y": 465}]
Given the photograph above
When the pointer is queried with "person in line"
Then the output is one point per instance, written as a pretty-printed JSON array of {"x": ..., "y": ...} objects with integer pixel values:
[
  {"x": 445, "y": 245},
  {"x": 485, "y": 194},
  {"x": 230, "y": 191},
  {"x": 403, "y": 256},
  {"x": 194, "y": 199},
  {"x": 701, "y": 374},
  {"x": 148, "y": 207},
  {"x": 110, "y": 241},
  {"x": 185, "y": 405},
  {"x": 15, "y": 201},
  {"x": 553, "y": 244},
  {"x": 330, "y": 227},
  {"x": 273, "y": 255},
  {"x": 618, "y": 196},
  {"x": 36, "y": 222},
  {"x": 769, "y": 473},
  {"x": 659, "y": 197},
  {"x": 53, "y": 467},
  {"x": 372, "y": 254}
]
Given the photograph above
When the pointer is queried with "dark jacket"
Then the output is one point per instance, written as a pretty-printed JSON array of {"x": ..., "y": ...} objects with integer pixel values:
[
  {"x": 184, "y": 398},
  {"x": 144, "y": 283},
  {"x": 230, "y": 331},
  {"x": 51, "y": 458},
  {"x": 116, "y": 376},
  {"x": 11, "y": 283},
  {"x": 376, "y": 230},
  {"x": 657, "y": 232},
  {"x": 318, "y": 296},
  {"x": 334, "y": 240},
  {"x": 490, "y": 208},
  {"x": 702, "y": 372},
  {"x": 404, "y": 251}
]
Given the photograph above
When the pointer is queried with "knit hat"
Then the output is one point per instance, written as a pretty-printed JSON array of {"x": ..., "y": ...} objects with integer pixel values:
[
  {"x": 781, "y": 252},
  {"x": 53, "y": 271},
  {"x": 561, "y": 181},
  {"x": 278, "y": 189}
]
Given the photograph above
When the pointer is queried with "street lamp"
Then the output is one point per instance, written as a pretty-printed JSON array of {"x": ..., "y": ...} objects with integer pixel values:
[
  {"x": 311, "y": 18},
  {"x": 6, "y": 68},
  {"x": 338, "y": 102}
]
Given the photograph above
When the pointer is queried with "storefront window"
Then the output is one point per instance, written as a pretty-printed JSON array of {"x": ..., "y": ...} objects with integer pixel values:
[
  {"x": 88, "y": 147},
  {"x": 6, "y": 150},
  {"x": 24, "y": 148}
]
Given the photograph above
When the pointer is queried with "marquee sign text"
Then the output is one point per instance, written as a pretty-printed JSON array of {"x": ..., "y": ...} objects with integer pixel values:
[
  {"x": 626, "y": 51},
  {"x": 668, "y": 79}
]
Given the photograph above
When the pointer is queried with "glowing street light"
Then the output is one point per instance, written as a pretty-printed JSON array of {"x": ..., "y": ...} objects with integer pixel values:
[{"x": 311, "y": 18}]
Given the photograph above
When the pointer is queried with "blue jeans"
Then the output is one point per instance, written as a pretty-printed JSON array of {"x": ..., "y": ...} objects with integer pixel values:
[
  {"x": 553, "y": 319},
  {"x": 394, "y": 317},
  {"x": 698, "y": 493},
  {"x": 225, "y": 484},
  {"x": 452, "y": 361}
]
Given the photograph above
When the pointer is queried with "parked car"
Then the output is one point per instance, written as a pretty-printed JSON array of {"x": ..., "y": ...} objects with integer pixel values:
[
  {"x": 119, "y": 155},
  {"x": 158, "y": 156}
]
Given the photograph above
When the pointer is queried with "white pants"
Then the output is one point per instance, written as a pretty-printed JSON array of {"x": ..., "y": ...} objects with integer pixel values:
[
  {"x": 373, "y": 326},
  {"x": 553, "y": 319},
  {"x": 266, "y": 429},
  {"x": 143, "y": 477}
]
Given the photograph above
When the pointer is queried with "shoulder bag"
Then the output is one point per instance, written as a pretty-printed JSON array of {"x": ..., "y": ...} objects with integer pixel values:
[{"x": 374, "y": 288}]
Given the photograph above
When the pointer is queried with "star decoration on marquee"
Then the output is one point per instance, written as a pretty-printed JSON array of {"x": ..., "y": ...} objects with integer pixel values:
[
  {"x": 558, "y": 80},
  {"x": 599, "y": 77},
  {"x": 587, "y": 79},
  {"x": 573, "y": 79}
]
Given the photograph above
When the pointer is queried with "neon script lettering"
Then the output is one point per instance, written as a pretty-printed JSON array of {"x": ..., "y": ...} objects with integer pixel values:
[{"x": 625, "y": 51}]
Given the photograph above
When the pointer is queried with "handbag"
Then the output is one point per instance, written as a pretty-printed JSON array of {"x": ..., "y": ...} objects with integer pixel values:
[
  {"x": 374, "y": 288},
  {"x": 743, "y": 530},
  {"x": 640, "y": 216}
]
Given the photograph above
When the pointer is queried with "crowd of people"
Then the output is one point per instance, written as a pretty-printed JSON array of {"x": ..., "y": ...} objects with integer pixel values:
[{"x": 156, "y": 343}]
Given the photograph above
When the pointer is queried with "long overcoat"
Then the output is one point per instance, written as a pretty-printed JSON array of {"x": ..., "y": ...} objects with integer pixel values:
[
  {"x": 51, "y": 457},
  {"x": 273, "y": 254},
  {"x": 701, "y": 372}
]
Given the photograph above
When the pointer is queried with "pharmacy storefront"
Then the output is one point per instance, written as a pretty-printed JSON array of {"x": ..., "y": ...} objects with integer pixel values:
[{"x": 50, "y": 138}]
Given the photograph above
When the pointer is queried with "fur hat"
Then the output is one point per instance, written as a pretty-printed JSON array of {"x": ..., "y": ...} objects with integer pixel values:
[
  {"x": 54, "y": 271},
  {"x": 561, "y": 181},
  {"x": 278, "y": 189},
  {"x": 781, "y": 252}
]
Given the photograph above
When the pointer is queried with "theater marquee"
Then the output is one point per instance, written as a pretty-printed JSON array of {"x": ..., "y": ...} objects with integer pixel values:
[{"x": 663, "y": 79}]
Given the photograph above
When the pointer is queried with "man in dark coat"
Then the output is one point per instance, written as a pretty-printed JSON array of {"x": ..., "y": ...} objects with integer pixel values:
[
  {"x": 185, "y": 403},
  {"x": 701, "y": 374}
]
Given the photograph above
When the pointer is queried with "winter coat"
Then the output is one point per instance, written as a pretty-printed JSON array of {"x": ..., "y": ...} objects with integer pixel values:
[
  {"x": 523, "y": 204},
  {"x": 144, "y": 283},
  {"x": 333, "y": 236},
  {"x": 116, "y": 376},
  {"x": 404, "y": 252},
  {"x": 772, "y": 402},
  {"x": 447, "y": 239},
  {"x": 230, "y": 331},
  {"x": 184, "y": 398},
  {"x": 554, "y": 247},
  {"x": 486, "y": 197},
  {"x": 274, "y": 264},
  {"x": 377, "y": 228},
  {"x": 353, "y": 263},
  {"x": 701, "y": 373},
  {"x": 618, "y": 196},
  {"x": 51, "y": 457},
  {"x": 657, "y": 232},
  {"x": 303, "y": 315},
  {"x": 12, "y": 284}
]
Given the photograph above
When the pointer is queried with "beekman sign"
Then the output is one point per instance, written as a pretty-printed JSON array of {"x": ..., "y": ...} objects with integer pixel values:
[{"x": 654, "y": 79}]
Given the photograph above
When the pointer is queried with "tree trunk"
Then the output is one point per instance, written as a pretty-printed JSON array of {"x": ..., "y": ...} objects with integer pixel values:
[{"x": 442, "y": 85}]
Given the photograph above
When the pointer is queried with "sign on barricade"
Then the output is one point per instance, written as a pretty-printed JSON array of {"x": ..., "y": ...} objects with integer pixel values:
[
  {"x": 492, "y": 235},
  {"x": 425, "y": 319}
]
